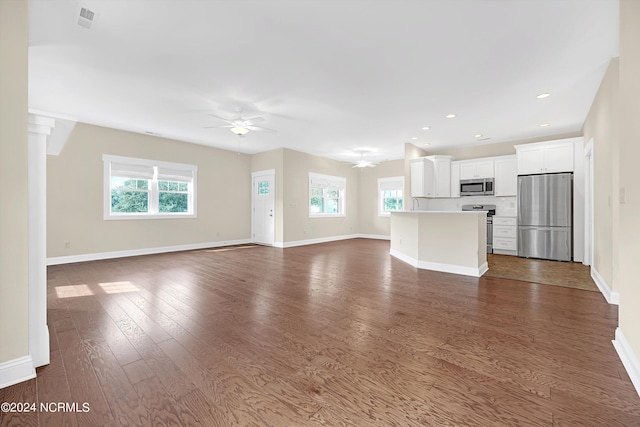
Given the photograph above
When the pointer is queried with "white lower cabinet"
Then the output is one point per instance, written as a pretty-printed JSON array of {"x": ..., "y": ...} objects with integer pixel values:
[{"x": 505, "y": 235}]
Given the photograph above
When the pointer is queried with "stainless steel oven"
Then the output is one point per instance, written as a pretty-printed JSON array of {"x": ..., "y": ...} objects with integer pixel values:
[
  {"x": 476, "y": 187},
  {"x": 491, "y": 211}
]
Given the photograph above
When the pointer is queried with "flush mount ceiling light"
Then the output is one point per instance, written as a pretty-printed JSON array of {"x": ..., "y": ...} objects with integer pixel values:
[
  {"x": 544, "y": 125},
  {"x": 543, "y": 95},
  {"x": 450, "y": 116},
  {"x": 426, "y": 128},
  {"x": 414, "y": 138},
  {"x": 478, "y": 135},
  {"x": 240, "y": 131}
]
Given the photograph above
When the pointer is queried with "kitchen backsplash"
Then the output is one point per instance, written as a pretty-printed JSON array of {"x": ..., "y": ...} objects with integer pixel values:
[{"x": 505, "y": 206}]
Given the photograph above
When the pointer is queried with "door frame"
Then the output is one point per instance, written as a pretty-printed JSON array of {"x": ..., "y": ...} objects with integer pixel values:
[
  {"x": 271, "y": 172},
  {"x": 588, "y": 203}
]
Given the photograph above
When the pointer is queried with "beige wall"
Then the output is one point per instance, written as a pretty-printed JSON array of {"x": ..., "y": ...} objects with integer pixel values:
[
  {"x": 370, "y": 222},
  {"x": 273, "y": 159},
  {"x": 629, "y": 241},
  {"x": 602, "y": 126},
  {"x": 75, "y": 195},
  {"x": 14, "y": 274},
  {"x": 298, "y": 225}
]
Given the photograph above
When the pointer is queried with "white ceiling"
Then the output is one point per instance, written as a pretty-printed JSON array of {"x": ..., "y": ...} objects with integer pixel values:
[{"x": 330, "y": 76}]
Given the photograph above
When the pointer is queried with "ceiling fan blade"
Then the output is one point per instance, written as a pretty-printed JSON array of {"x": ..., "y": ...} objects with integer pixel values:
[
  {"x": 218, "y": 127},
  {"x": 222, "y": 118},
  {"x": 253, "y": 120},
  {"x": 259, "y": 128}
]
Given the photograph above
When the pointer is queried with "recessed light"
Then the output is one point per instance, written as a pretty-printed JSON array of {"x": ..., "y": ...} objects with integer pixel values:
[
  {"x": 414, "y": 138},
  {"x": 544, "y": 125},
  {"x": 426, "y": 144},
  {"x": 543, "y": 95},
  {"x": 478, "y": 135},
  {"x": 450, "y": 116},
  {"x": 484, "y": 139},
  {"x": 426, "y": 128}
]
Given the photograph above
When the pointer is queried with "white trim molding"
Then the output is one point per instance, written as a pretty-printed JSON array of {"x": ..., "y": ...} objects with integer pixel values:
[
  {"x": 374, "y": 236},
  {"x": 609, "y": 295},
  {"x": 628, "y": 357},
  {"x": 40, "y": 129},
  {"x": 16, "y": 371},
  {"x": 445, "y": 268},
  {"x": 314, "y": 241},
  {"x": 146, "y": 251}
]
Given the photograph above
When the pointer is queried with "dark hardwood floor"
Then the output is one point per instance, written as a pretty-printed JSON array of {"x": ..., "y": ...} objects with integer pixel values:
[{"x": 331, "y": 334}]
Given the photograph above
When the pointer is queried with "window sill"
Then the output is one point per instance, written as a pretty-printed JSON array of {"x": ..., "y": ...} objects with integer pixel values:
[{"x": 154, "y": 216}]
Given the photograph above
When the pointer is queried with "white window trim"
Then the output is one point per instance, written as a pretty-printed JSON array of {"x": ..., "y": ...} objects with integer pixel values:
[
  {"x": 107, "y": 159},
  {"x": 335, "y": 179},
  {"x": 386, "y": 180}
]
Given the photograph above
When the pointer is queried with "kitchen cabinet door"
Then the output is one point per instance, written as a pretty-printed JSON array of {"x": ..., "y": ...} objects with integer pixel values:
[
  {"x": 545, "y": 157},
  {"x": 506, "y": 176},
  {"x": 476, "y": 169},
  {"x": 455, "y": 179},
  {"x": 422, "y": 172}
]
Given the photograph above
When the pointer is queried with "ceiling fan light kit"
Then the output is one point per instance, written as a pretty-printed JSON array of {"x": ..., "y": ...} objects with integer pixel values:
[
  {"x": 240, "y": 131},
  {"x": 241, "y": 126}
]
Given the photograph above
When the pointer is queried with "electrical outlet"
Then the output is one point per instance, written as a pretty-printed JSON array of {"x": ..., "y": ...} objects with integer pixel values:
[
  {"x": 622, "y": 196},
  {"x": 67, "y": 245}
]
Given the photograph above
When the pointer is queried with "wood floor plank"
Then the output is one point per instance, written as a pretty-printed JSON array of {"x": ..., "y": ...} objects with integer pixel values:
[{"x": 332, "y": 334}]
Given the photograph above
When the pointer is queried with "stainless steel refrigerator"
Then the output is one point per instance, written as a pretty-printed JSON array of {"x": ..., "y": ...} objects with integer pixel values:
[{"x": 545, "y": 215}]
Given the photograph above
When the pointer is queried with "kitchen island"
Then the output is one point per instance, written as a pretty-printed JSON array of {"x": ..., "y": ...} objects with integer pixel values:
[{"x": 448, "y": 241}]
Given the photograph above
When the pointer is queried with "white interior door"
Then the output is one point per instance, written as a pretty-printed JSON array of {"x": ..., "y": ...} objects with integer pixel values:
[{"x": 263, "y": 214}]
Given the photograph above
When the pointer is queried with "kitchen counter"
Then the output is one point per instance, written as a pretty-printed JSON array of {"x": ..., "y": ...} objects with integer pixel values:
[{"x": 448, "y": 241}]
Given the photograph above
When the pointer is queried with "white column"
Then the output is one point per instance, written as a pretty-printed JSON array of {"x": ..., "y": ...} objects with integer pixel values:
[{"x": 39, "y": 130}]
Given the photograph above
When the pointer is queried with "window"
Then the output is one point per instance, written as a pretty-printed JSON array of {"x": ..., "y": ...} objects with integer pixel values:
[
  {"x": 326, "y": 195},
  {"x": 390, "y": 195},
  {"x": 143, "y": 189}
]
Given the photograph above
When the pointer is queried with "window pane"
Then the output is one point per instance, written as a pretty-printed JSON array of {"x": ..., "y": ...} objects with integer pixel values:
[
  {"x": 163, "y": 185},
  {"x": 317, "y": 205},
  {"x": 316, "y": 192},
  {"x": 263, "y": 187},
  {"x": 333, "y": 194},
  {"x": 173, "y": 202},
  {"x": 143, "y": 184},
  {"x": 332, "y": 206},
  {"x": 183, "y": 186},
  {"x": 129, "y": 201},
  {"x": 173, "y": 186}
]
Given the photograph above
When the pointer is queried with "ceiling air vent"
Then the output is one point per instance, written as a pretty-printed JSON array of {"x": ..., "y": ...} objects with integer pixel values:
[{"x": 85, "y": 20}]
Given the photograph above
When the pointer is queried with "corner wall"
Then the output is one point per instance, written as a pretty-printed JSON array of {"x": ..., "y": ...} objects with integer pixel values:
[
  {"x": 370, "y": 223},
  {"x": 628, "y": 334},
  {"x": 14, "y": 214},
  {"x": 602, "y": 126},
  {"x": 75, "y": 196}
]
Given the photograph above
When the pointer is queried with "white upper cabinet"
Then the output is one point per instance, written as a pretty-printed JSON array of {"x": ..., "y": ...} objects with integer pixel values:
[
  {"x": 506, "y": 176},
  {"x": 431, "y": 176},
  {"x": 422, "y": 170},
  {"x": 455, "y": 179},
  {"x": 476, "y": 169},
  {"x": 545, "y": 157}
]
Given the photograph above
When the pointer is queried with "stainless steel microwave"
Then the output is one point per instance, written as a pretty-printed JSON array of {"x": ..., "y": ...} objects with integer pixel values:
[{"x": 476, "y": 187}]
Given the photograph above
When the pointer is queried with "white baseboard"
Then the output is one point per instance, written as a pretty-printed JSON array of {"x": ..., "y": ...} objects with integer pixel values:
[
  {"x": 15, "y": 371},
  {"x": 611, "y": 297},
  {"x": 629, "y": 359},
  {"x": 445, "y": 268},
  {"x": 375, "y": 236},
  {"x": 138, "y": 252},
  {"x": 314, "y": 241},
  {"x": 330, "y": 239}
]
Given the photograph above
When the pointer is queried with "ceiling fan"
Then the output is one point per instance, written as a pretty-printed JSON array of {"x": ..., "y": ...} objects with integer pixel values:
[
  {"x": 362, "y": 163},
  {"x": 241, "y": 126}
]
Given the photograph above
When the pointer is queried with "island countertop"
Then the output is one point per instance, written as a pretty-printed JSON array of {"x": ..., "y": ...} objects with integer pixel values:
[{"x": 449, "y": 241}]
